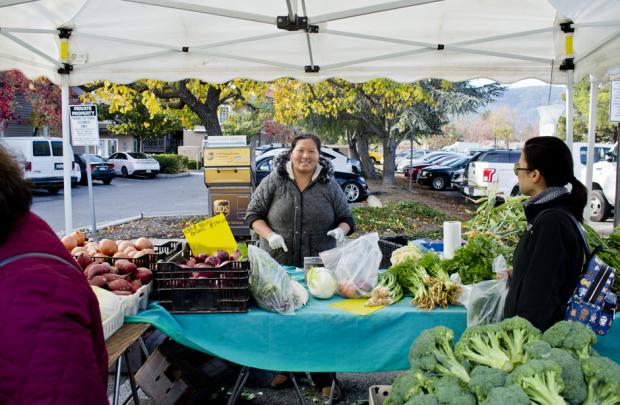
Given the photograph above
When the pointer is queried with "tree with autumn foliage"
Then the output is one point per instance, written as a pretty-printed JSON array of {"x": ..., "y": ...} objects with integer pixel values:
[
  {"x": 43, "y": 95},
  {"x": 193, "y": 101},
  {"x": 380, "y": 108}
]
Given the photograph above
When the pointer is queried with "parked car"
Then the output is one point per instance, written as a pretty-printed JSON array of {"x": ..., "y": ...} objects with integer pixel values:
[
  {"x": 354, "y": 186},
  {"x": 403, "y": 158},
  {"x": 259, "y": 150},
  {"x": 134, "y": 164},
  {"x": 493, "y": 168},
  {"x": 42, "y": 161},
  {"x": 427, "y": 160},
  {"x": 101, "y": 168},
  {"x": 439, "y": 177},
  {"x": 376, "y": 155},
  {"x": 340, "y": 161},
  {"x": 603, "y": 196}
]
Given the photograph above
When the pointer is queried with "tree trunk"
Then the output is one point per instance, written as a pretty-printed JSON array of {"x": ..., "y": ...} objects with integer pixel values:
[
  {"x": 351, "y": 138},
  {"x": 362, "y": 148},
  {"x": 389, "y": 160},
  {"x": 207, "y": 111}
]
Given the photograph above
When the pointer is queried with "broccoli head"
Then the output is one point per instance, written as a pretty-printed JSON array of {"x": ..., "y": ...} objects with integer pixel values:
[
  {"x": 603, "y": 380},
  {"x": 483, "y": 379},
  {"x": 432, "y": 352},
  {"x": 423, "y": 399},
  {"x": 482, "y": 345},
  {"x": 573, "y": 336},
  {"x": 516, "y": 332},
  {"x": 450, "y": 390},
  {"x": 572, "y": 376},
  {"x": 512, "y": 395},
  {"x": 541, "y": 380},
  {"x": 408, "y": 384}
]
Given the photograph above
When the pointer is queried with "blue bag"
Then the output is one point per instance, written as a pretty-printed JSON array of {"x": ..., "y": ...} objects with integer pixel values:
[{"x": 593, "y": 303}]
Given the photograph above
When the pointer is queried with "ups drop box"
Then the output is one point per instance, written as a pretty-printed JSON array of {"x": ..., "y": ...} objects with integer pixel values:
[
  {"x": 233, "y": 203},
  {"x": 228, "y": 176},
  {"x": 231, "y": 156}
]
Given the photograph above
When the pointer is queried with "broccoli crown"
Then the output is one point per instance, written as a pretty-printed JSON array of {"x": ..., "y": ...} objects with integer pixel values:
[
  {"x": 423, "y": 399},
  {"x": 603, "y": 380},
  {"x": 516, "y": 332},
  {"x": 482, "y": 345},
  {"x": 573, "y": 336},
  {"x": 537, "y": 350},
  {"x": 512, "y": 395},
  {"x": 450, "y": 390},
  {"x": 408, "y": 384},
  {"x": 432, "y": 352},
  {"x": 483, "y": 379},
  {"x": 541, "y": 380}
]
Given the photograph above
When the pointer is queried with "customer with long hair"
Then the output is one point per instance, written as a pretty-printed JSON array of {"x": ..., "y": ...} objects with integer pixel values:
[
  {"x": 52, "y": 349},
  {"x": 550, "y": 254}
]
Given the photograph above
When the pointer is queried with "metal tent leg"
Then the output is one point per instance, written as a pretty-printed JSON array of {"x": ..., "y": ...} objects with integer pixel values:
[
  {"x": 297, "y": 390},
  {"x": 241, "y": 380}
]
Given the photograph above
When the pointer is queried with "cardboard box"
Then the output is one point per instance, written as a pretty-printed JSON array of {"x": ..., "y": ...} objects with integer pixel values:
[{"x": 162, "y": 382}]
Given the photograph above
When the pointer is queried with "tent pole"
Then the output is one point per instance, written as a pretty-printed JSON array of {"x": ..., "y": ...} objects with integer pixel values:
[
  {"x": 591, "y": 137},
  {"x": 67, "y": 153},
  {"x": 569, "y": 108}
]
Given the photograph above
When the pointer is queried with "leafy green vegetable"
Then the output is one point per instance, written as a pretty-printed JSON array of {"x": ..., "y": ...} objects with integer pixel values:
[{"x": 474, "y": 261}]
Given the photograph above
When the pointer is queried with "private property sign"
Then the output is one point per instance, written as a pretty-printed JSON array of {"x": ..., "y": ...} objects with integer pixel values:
[{"x": 84, "y": 125}]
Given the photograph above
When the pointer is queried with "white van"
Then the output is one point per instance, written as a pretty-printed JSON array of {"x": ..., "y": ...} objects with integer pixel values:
[{"x": 42, "y": 161}]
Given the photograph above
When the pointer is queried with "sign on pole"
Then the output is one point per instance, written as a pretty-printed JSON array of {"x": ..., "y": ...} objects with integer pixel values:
[
  {"x": 84, "y": 125},
  {"x": 614, "y": 101}
]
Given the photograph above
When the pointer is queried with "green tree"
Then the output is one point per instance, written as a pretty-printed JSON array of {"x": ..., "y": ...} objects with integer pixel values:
[
  {"x": 383, "y": 109},
  {"x": 196, "y": 100},
  {"x": 605, "y": 131}
]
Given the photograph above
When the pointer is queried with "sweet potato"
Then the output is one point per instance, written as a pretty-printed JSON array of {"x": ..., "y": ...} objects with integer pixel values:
[
  {"x": 135, "y": 285},
  {"x": 124, "y": 266},
  {"x": 144, "y": 275},
  {"x": 95, "y": 269},
  {"x": 84, "y": 259},
  {"x": 119, "y": 285},
  {"x": 111, "y": 277},
  {"x": 99, "y": 281}
]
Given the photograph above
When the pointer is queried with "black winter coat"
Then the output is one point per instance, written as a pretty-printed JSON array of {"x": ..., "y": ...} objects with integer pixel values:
[{"x": 546, "y": 265}]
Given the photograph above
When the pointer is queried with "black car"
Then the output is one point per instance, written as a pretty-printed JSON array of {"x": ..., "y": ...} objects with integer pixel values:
[
  {"x": 440, "y": 177},
  {"x": 100, "y": 168},
  {"x": 354, "y": 186}
]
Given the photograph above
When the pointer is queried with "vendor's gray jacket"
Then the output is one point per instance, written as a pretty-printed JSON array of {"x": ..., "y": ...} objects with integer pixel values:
[{"x": 302, "y": 218}]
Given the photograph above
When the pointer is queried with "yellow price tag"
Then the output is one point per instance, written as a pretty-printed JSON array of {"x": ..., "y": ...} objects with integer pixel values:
[{"x": 210, "y": 235}]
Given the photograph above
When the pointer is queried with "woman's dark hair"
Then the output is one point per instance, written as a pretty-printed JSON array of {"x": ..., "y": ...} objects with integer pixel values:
[
  {"x": 552, "y": 158},
  {"x": 15, "y": 195},
  {"x": 306, "y": 135}
]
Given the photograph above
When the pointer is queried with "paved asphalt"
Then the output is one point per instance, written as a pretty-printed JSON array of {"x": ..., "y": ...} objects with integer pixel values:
[{"x": 125, "y": 198}]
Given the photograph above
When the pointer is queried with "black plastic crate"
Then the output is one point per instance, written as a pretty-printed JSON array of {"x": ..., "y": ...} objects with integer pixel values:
[
  {"x": 388, "y": 245},
  {"x": 149, "y": 260},
  {"x": 203, "y": 290}
]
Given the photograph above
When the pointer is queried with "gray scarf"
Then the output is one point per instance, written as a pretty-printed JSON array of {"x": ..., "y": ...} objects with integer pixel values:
[{"x": 550, "y": 193}]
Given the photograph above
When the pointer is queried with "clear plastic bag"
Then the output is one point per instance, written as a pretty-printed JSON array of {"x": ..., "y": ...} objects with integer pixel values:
[
  {"x": 270, "y": 285},
  {"x": 355, "y": 265},
  {"x": 485, "y": 301}
]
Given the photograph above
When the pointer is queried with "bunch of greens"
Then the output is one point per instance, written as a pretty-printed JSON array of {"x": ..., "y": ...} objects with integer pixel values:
[
  {"x": 508, "y": 363},
  {"x": 474, "y": 261},
  {"x": 426, "y": 281},
  {"x": 386, "y": 292},
  {"x": 506, "y": 220}
]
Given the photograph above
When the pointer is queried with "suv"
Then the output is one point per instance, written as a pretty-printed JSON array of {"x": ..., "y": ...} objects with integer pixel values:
[
  {"x": 340, "y": 161},
  {"x": 42, "y": 161},
  {"x": 493, "y": 168},
  {"x": 603, "y": 196}
]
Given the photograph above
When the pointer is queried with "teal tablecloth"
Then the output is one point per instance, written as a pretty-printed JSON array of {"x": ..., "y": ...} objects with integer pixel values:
[{"x": 318, "y": 337}]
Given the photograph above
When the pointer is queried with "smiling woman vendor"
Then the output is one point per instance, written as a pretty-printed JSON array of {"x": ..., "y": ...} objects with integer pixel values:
[{"x": 299, "y": 210}]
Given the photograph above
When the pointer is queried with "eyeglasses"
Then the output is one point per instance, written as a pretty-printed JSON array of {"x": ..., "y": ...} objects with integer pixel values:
[{"x": 517, "y": 168}]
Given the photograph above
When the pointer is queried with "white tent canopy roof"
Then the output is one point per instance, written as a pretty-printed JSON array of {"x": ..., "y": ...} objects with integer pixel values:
[{"x": 357, "y": 40}]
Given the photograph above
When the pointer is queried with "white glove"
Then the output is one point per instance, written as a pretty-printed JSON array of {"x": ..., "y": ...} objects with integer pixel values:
[
  {"x": 338, "y": 234},
  {"x": 276, "y": 241}
]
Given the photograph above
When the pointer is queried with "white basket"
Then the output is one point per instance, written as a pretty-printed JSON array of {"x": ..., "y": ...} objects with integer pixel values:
[
  {"x": 137, "y": 301},
  {"x": 378, "y": 393},
  {"x": 113, "y": 323}
]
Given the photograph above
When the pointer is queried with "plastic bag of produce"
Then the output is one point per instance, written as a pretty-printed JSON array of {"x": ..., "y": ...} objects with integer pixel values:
[
  {"x": 355, "y": 265},
  {"x": 270, "y": 285},
  {"x": 485, "y": 301}
]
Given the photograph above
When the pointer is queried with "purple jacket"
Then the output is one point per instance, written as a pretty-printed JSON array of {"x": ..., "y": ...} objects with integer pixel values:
[{"x": 52, "y": 349}]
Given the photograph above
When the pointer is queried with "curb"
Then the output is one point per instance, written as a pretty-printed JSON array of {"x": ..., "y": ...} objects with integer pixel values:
[{"x": 171, "y": 175}]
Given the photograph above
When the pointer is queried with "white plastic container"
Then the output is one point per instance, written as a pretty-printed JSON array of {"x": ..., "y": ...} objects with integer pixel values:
[{"x": 111, "y": 308}]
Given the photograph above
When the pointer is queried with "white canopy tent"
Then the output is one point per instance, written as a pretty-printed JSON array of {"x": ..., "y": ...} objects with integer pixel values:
[{"x": 77, "y": 41}]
